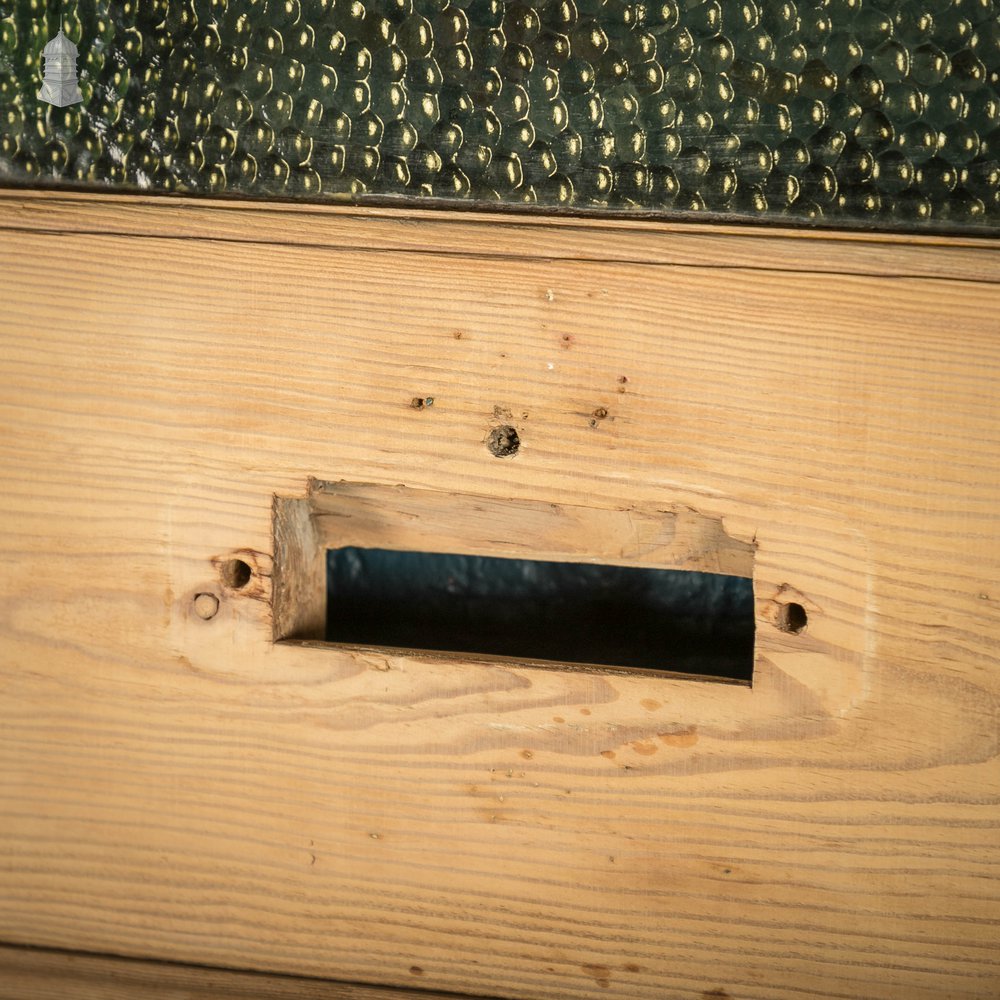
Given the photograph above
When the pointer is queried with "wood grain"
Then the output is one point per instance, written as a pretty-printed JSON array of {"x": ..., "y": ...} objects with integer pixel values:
[
  {"x": 179, "y": 788},
  {"x": 43, "y": 974},
  {"x": 371, "y": 516},
  {"x": 503, "y": 234}
]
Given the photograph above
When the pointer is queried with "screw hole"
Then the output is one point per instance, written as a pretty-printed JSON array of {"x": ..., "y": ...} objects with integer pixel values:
[
  {"x": 792, "y": 618},
  {"x": 503, "y": 441},
  {"x": 236, "y": 574}
]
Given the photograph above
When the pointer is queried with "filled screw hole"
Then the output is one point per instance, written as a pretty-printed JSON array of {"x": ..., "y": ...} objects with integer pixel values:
[
  {"x": 503, "y": 441},
  {"x": 236, "y": 574},
  {"x": 792, "y": 618},
  {"x": 206, "y": 606}
]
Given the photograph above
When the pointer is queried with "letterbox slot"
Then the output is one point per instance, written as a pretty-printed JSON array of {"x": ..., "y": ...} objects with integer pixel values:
[
  {"x": 566, "y": 612},
  {"x": 366, "y": 568}
]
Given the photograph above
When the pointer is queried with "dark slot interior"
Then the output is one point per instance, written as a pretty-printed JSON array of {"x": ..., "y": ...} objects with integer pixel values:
[{"x": 618, "y": 616}]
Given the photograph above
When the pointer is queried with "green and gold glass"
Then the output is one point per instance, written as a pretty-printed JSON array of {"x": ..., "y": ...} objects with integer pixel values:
[{"x": 879, "y": 113}]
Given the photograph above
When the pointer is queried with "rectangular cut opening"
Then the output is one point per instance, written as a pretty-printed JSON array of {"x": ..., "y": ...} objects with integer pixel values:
[
  {"x": 417, "y": 572},
  {"x": 566, "y": 612}
]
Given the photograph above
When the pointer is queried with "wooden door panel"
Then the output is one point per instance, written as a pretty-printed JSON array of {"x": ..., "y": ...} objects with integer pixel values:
[{"x": 187, "y": 789}]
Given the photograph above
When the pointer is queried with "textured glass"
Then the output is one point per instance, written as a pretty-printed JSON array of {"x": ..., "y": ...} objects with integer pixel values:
[{"x": 839, "y": 112}]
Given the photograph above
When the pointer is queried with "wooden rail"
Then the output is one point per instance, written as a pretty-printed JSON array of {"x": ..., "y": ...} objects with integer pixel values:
[{"x": 175, "y": 785}]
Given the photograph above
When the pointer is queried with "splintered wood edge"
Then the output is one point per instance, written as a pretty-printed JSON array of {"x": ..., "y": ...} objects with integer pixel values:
[
  {"x": 299, "y": 581},
  {"x": 367, "y": 515},
  {"x": 471, "y": 232}
]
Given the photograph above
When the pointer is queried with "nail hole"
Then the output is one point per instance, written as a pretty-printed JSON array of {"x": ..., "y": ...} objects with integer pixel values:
[
  {"x": 792, "y": 618},
  {"x": 503, "y": 441},
  {"x": 236, "y": 574}
]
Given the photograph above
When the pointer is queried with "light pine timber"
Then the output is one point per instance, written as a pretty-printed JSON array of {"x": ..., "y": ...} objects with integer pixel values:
[
  {"x": 186, "y": 789},
  {"x": 487, "y": 235},
  {"x": 42, "y": 974}
]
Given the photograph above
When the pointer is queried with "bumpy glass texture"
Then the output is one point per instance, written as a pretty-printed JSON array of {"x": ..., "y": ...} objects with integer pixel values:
[{"x": 839, "y": 112}]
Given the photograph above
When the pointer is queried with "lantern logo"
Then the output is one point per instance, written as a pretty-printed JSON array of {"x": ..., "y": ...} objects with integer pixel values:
[{"x": 60, "y": 86}]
